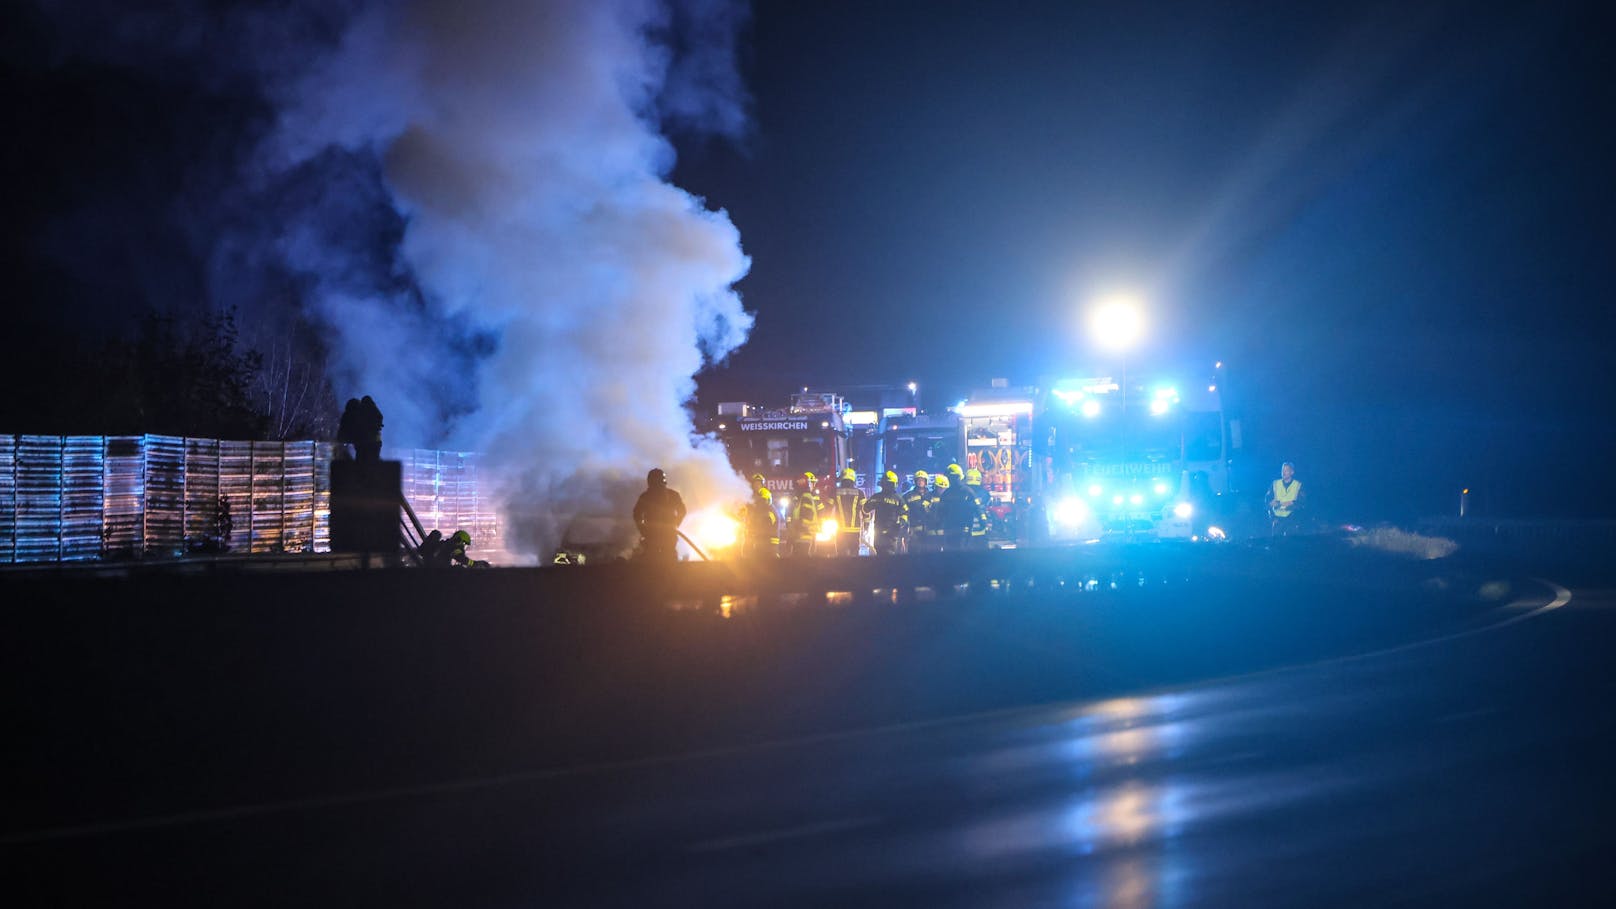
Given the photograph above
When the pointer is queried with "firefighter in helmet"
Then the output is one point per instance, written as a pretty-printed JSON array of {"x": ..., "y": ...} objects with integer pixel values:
[
  {"x": 957, "y": 508},
  {"x": 917, "y": 501},
  {"x": 847, "y": 506},
  {"x": 657, "y": 515},
  {"x": 942, "y": 515},
  {"x": 456, "y": 547},
  {"x": 761, "y": 525},
  {"x": 887, "y": 516},
  {"x": 982, "y": 519},
  {"x": 802, "y": 525}
]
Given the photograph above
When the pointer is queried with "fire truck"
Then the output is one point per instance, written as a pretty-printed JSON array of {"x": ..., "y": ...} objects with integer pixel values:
[
  {"x": 1137, "y": 457},
  {"x": 1084, "y": 458},
  {"x": 1077, "y": 459},
  {"x": 808, "y": 435}
]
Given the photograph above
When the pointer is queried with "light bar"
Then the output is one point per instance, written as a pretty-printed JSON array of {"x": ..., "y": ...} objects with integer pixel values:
[
  {"x": 861, "y": 418},
  {"x": 1005, "y": 409}
]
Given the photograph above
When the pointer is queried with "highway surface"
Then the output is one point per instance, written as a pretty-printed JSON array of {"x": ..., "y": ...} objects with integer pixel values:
[{"x": 1468, "y": 766}]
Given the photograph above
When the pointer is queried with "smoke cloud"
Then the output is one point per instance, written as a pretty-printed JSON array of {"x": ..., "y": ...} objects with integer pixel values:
[{"x": 471, "y": 198}]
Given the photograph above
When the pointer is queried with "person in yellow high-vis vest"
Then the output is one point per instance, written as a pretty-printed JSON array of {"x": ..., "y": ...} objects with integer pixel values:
[{"x": 1285, "y": 499}]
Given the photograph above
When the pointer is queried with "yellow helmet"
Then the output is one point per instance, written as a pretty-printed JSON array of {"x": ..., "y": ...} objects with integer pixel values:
[
  {"x": 757, "y": 479},
  {"x": 764, "y": 494},
  {"x": 920, "y": 475},
  {"x": 848, "y": 474},
  {"x": 890, "y": 478},
  {"x": 956, "y": 472},
  {"x": 942, "y": 481},
  {"x": 809, "y": 476},
  {"x": 973, "y": 477}
]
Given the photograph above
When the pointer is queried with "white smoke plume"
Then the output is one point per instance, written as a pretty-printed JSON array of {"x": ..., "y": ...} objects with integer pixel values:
[{"x": 522, "y": 144}]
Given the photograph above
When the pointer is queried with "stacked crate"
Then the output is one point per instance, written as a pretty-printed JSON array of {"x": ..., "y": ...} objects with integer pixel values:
[
  {"x": 123, "y": 496},
  {"x": 39, "y": 498},
  {"x": 268, "y": 492},
  {"x": 8, "y": 499},
  {"x": 297, "y": 497},
  {"x": 235, "y": 491},
  {"x": 163, "y": 532},
  {"x": 201, "y": 492}
]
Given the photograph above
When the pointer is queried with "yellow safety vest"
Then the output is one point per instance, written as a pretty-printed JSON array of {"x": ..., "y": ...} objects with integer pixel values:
[{"x": 1284, "y": 498}]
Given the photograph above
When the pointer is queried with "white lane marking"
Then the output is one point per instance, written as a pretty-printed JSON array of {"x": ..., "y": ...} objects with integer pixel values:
[
  {"x": 1562, "y": 596},
  {"x": 763, "y": 837}
]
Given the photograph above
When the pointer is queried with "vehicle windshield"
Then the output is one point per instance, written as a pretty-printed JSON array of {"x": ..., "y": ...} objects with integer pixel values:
[
  {"x": 1137, "y": 435},
  {"x": 781, "y": 454},
  {"x": 928, "y": 450}
]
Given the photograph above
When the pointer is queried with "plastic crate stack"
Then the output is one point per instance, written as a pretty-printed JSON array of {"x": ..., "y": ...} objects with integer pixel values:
[
  {"x": 201, "y": 492},
  {"x": 8, "y": 499},
  {"x": 163, "y": 530},
  {"x": 38, "y": 521},
  {"x": 123, "y": 496},
  {"x": 87, "y": 497}
]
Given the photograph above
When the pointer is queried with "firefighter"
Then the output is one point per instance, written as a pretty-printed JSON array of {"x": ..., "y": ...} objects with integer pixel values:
[
  {"x": 847, "y": 506},
  {"x": 454, "y": 550},
  {"x": 958, "y": 509},
  {"x": 946, "y": 524},
  {"x": 1285, "y": 499},
  {"x": 658, "y": 514},
  {"x": 917, "y": 501},
  {"x": 982, "y": 518},
  {"x": 803, "y": 523},
  {"x": 758, "y": 482},
  {"x": 361, "y": 427},
  {"x": 887, "y": 516},
  {"x": 761, "y": 525}
]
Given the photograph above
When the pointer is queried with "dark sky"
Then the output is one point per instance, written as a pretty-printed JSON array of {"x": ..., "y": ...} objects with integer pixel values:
[{"x": 1393, "y": 221}]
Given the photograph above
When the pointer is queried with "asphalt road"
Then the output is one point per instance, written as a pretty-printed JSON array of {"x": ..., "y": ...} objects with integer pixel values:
[{"x": 1469, "y": 768}]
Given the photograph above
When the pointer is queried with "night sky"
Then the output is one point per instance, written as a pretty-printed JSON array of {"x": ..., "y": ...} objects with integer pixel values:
[{"x": 1393, "y": 221}]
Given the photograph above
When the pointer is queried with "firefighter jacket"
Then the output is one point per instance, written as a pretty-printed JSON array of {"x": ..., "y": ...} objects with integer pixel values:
[
  {"x": 886, "y": 511},
  {"x": 1283, "y": 499},
  {"x": 762, "y": 526},
  {"x": 917, "y": 502},
  {"x": 659, "y": 509},
  {"x": 805, "y": 513},
  {"x": 957, "y": 509},
  {"x": 935, "y": 512},
  {"x": 981, "y": 520},
  {"x": 847, "y": 506}
]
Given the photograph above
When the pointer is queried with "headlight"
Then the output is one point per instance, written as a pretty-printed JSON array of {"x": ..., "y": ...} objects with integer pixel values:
[
  {"x": 1160, "y": 488},
  {"x": 827, "y": 530},
  {"x": 1071, "y": 511},
  {"x": 1136, "y": 499},
  {"x": 1096, "y": 489},
  {"x": 1183, "y": 509}
]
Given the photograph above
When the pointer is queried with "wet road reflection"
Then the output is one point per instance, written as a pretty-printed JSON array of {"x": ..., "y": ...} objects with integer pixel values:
[{"x": 1464, "y": 772}]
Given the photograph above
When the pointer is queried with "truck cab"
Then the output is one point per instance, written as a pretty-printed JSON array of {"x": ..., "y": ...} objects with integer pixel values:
[
  {"x": 781, "y": 443},
  {"x": 1138, "y": 457}
]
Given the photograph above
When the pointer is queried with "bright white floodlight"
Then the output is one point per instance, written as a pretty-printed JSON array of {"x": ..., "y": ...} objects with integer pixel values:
[{"x": 1117, "y": 323}]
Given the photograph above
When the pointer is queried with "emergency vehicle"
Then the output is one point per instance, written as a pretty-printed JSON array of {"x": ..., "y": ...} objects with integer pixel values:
[
  {"x": 1141, "y": 457},
  {"x": 808, "y": 435}
]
